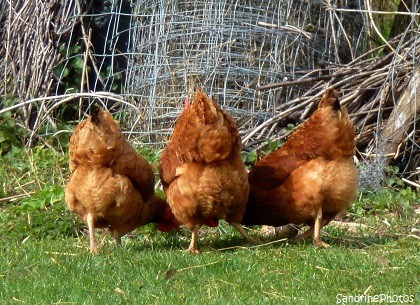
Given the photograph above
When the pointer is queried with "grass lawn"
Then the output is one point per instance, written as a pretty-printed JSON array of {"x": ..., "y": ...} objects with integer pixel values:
[
  {"x": 153, "y": 268},
  {"x": 45, "y": 259}
]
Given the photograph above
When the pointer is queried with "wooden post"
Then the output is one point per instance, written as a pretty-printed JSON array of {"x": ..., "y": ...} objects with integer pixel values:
[{"x": 402, "y": 117}]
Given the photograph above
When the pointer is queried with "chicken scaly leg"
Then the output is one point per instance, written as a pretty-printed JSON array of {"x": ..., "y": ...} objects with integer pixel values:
[
  {"x": 319, "y": 223},
  {"x": 241, "y": 230},
  {"x": 193, "y": 248},
  {"x": 315, "y": 230},
  {"x": 91, "y": 225}
]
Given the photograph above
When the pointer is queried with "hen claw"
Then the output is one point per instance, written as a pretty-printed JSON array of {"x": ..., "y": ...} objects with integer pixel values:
[
  {"x": 193, "y": 251},
  {"x": 321, "y": 244}
]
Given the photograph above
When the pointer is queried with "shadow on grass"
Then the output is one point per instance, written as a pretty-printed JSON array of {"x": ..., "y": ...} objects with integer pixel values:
[
  {"x": 214, "y": 239},
  {"x": 344, "y": 240},
  {"x": 208, "y": 241},
  {"x": 362, "y": 242}
]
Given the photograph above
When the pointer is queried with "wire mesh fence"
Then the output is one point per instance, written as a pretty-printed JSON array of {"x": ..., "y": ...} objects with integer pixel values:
[
  {"x": 228, "y": 48},
  {"x": 266, "y": 62}
]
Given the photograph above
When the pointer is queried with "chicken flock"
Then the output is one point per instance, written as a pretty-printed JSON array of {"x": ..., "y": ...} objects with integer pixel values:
[{"x": 308, "y": 181}]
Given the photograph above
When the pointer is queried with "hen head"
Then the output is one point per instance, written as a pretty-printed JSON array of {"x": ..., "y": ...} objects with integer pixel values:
[
  {"x": 168, "y": 221},
  {"x": 211, "y": 222}
]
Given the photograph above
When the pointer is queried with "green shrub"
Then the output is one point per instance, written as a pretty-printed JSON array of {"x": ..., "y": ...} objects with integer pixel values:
[
  {"x": 42, "y": 216},
  {"x": 392, "y": 197},
  {"x": 10, "y": 133},
  {"x": 32, "y": 181}
]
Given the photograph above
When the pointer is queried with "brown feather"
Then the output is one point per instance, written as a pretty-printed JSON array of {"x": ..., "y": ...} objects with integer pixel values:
[
  {"x": 313, "y": 169},
  {"x": 109, "y": 180},
  {"x": 201, "y": 169}
]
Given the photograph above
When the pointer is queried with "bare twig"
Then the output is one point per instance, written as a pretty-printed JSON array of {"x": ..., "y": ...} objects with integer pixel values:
[
  {"x": 15, "y": 197},
  {"x": 294, "y": 82}
]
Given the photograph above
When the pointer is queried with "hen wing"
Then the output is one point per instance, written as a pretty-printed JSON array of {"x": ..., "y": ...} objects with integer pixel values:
[{"x": 204, "y": 133}]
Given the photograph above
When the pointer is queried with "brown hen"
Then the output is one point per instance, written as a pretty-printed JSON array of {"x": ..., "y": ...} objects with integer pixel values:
[
  {"x": 311, "y": 178},
  {"x": 110, "y": 185},
  {"x": 202, "y": 171}
]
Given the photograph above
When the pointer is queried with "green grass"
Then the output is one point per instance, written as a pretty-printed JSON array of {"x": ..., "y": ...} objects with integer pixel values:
[
  {"x": 45, "y": 255},
  {"x": 153, "y": 268}
]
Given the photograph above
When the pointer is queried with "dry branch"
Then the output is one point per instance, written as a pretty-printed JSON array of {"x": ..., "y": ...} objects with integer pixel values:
[
  {"x": 266, "y": 62},
  {"x": 375, "y": 91}
]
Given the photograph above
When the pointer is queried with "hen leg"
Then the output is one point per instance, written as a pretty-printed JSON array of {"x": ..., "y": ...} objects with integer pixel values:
[
  {"x": 241, "y": 230},
  {"x": 319, "y": 223},
  {"x": 91, "y": 226},
  {"x": 117, "y": 237},
  {"x": 193, "y": 248},
  {"x": 315, "y": 230}
]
